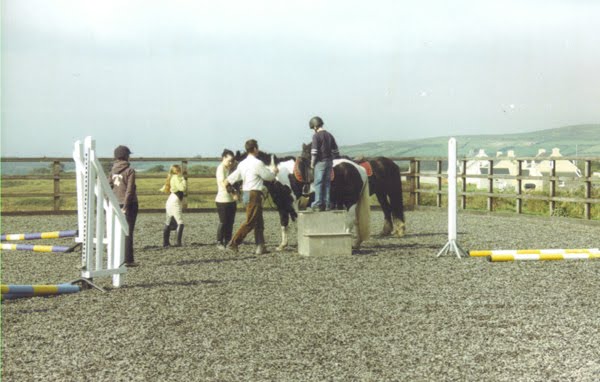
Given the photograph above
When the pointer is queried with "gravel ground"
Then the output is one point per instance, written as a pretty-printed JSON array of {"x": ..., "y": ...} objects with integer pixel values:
[{"x": 391, "y": 311}]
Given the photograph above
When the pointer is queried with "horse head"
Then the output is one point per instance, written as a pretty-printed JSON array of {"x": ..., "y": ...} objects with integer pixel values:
[{"x": 306, "y": 151}]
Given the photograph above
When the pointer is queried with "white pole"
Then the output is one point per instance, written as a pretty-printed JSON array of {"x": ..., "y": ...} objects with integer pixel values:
[
  {"x": 452, "y": 189},
  {"x": 451, "y": 245},
  {"x": 79, "y": 178}
]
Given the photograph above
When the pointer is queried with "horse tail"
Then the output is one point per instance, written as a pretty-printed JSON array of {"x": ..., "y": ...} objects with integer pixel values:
[
  {"x": 394, "y": 191},
  {"x": 363, "y": 213}
]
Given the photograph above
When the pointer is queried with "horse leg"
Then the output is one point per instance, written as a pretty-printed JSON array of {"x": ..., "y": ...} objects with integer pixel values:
[
  {"x": 351, "y": 222},
  {"x": 284, "y": 239},
  {"x": 284, "y": 220},
  {"x": 387, "y": 213}
]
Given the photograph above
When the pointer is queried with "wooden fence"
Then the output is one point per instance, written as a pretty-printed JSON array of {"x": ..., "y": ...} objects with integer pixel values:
[{"x": 421, "y": 176}]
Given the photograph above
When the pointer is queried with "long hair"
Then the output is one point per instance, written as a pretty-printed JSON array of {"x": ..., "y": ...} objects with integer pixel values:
[{"x": 174, "y": 170}]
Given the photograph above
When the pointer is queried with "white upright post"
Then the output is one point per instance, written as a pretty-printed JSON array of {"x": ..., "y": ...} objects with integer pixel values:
[
  {"x": 80, "y": 179},
  {"x": 89, "y": 204},
  {"x": 102, "y": 225},
  {"x": 452, "y": 245}
]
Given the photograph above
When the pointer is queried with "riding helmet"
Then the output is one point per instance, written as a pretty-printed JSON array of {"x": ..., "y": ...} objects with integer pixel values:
[{"x": 315, "y": 123}]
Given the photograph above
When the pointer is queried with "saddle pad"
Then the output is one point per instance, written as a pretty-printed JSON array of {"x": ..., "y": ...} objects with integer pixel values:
[{"x": 367, "y": 166}]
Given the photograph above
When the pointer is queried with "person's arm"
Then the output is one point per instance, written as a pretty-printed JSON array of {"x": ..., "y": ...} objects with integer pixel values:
[
  {"x": 220, "y": 177},
  {"x": 235, "y": 176},
  {"x": 130, "y": 192},
  {"x": 178, "y": 183},
  {"x": 265, "y": 173},
  {"x": 313, "y": 150},
  {"x": 335, "y": 152},
  {"x": 183, "y": 184}
]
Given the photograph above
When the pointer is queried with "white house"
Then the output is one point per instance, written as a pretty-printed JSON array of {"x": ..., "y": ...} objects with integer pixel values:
[
  {"x": 510, "y": 166},
  {"x": 478, "y": 167},
  {"x": 563, "y": 167}
]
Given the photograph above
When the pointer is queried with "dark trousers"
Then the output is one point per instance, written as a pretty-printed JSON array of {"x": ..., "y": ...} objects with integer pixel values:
[
  {"x": 130, "y": 216},
  {"x": 254, "y": 220},
  {"x": 226, "y": 213}
]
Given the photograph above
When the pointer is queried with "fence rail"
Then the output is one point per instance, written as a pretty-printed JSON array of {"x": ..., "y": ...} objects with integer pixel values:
[{"x": 422, "y": 176}]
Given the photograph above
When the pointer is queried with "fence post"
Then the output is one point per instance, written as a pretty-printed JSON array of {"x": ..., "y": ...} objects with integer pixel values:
[
  {"x": 552, "y": 186},
  {"x": 56, "y": 174},
  {"x": 490, "y": 199},
  {"x": 418, "y": 183},
  {"x": 412, "y": 183},
  {"x": 439, "y": 184},
  {"x": 184, "y": 172},
  {"x": 588, "y": 190},
  {"x": 463, "y": 198},
  {"x": 519, "y": 204}
]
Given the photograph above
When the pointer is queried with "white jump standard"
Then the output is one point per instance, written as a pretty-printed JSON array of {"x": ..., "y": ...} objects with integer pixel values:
[
  {"x": 102, "y": 224},
  {"x": 452, "y": 245}
]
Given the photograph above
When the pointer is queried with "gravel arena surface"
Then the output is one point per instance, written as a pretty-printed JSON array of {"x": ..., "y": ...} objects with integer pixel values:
[{"x": 390, "y": 312}]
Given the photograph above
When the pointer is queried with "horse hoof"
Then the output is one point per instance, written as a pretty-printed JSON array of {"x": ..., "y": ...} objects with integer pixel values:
[
  {"x": 387, "y": 229},
  {"x": 400, "y": 230}
]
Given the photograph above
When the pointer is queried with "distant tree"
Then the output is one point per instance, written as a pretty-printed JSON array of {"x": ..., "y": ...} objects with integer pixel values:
[
  {"x": 48, "y": 170},
  {"x": 157, "y": 168},
  {"x": 41, "y": 171},
  {"x": 201, "y": 170}
]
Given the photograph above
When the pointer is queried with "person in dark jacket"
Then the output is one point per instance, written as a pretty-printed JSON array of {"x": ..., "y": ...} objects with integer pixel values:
[
  {"x": 122, "y": 182},
  {"x": 323, "y": 151}
]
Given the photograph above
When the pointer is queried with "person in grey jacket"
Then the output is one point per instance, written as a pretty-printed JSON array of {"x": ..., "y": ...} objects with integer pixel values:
[{"x": 122, "y": 182}]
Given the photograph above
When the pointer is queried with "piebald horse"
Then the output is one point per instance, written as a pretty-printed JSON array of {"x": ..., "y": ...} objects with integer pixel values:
[{"x": 349, "y": 191}]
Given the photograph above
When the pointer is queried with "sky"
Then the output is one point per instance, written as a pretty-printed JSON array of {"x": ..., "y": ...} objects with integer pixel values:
[{"x": 187, "y": 78}]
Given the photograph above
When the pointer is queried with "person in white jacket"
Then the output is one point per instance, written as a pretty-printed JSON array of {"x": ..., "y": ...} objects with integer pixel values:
[
  {"x": 225, "y": 200},
  {"x": 252, "y": 172},
  {"x": 176, "y": 187}
]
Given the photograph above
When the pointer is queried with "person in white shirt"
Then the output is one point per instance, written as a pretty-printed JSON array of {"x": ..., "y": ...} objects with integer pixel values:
[
  {"x": 226, "y": 202},
  {"x": 252, "y": 172}
]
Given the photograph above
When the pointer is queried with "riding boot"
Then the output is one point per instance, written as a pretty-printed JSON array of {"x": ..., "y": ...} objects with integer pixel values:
[
  {"x": 166, "y": 234},
  {"x": 179, "y": 234}
]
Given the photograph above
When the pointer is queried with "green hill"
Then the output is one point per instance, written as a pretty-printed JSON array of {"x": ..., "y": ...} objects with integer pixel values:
[{"x": 581, "y": 140}]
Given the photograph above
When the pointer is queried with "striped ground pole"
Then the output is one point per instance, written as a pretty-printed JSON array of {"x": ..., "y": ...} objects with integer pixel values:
[
  {"x": 19, "y": 291},
  {"x": 485, "y": 253},
  {"x": 543, "y": 257},
  {"x": 36, "y": 248},
  {"x": 38, "y": 235}
]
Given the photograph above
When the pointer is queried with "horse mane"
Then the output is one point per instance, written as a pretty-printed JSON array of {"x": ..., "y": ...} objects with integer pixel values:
[{"x": 264, "y": 157}]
